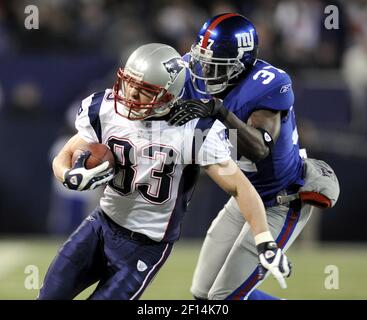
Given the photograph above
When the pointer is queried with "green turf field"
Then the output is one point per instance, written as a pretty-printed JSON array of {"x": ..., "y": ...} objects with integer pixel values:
[{"x": 173, "y": 281}]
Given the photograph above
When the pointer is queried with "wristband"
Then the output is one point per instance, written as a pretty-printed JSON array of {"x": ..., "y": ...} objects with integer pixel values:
[{"x": 263, "y": 237}]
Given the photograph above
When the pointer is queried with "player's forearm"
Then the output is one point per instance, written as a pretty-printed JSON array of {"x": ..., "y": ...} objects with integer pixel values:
[
  {"x": 252, "y": 208},
  {"x": 250, "y": 142},
  {"x": 61, "y": 163},
  {"x": 230, "y": 178}
]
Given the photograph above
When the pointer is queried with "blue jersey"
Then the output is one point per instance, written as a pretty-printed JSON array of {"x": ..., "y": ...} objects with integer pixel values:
[{"x": 265, "y": 88}]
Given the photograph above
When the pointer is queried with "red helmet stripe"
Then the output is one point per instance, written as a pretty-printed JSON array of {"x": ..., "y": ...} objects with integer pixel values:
[{"x": 213, "y": 25}]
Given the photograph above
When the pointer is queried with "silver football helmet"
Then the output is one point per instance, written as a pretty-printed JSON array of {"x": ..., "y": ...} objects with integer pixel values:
[{"x": 156, "y": 69}]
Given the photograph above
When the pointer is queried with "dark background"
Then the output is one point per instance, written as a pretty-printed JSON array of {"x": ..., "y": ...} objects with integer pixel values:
[{"x": 45, "y": 73}]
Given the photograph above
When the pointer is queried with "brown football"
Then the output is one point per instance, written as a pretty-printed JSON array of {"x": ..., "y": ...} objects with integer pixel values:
[{"x": 99, "y": 154}]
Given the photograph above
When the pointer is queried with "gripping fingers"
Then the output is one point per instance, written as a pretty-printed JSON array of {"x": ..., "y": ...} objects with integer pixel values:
[
  {"x": 83, "y": 178},
  {"x": 99, "y": 169},
  {"x": 179, "y": 119},
  {"x": 185, "y": 116},
  {"x": 200, "y": 112},
  {"x": 178, "y": 116},
  {"x": 99, "y": 180},
  {"x": 80, "y": 161}
]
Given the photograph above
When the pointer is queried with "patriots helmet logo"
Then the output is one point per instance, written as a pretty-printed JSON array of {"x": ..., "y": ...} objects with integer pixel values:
[{"x": 174, "y": 67}]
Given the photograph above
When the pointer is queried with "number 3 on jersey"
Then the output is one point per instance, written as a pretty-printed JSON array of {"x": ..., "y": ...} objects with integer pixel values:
[
  {"x": 266, "y": 75},
  {"x": 124, "y": 181}
]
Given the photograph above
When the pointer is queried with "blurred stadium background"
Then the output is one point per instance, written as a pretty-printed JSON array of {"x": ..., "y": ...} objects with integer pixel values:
[{"x": 76, "y": 50}]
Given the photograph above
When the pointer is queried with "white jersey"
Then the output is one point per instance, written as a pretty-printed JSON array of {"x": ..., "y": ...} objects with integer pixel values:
[{"x": 157, "y": 164}]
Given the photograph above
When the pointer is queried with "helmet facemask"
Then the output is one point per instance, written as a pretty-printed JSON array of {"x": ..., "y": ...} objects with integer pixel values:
[
  {"x": 160, "y": 99},
  {"x": 215, "y": 73}
]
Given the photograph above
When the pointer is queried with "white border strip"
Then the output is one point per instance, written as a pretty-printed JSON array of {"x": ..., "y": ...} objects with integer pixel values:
[{"x": 147, "y": 277}]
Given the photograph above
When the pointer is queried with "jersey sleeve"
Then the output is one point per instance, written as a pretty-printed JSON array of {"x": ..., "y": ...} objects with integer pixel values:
[
  {"x": 279, "y": 97},
  {"x": 87, "y": 120},
  {"x": 266, "y": 88},
  {"x": 206, "y": 142},
  {"x": 216, "y": 146}
]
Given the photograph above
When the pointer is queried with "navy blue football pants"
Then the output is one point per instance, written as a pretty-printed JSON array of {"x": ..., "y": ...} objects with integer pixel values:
[{"x": 100, "y": 250}]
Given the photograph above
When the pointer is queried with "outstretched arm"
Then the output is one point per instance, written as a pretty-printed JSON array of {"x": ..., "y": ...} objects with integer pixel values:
[
  {"x": 255, "y": 138},
  {"x": 231, "y": 179}
]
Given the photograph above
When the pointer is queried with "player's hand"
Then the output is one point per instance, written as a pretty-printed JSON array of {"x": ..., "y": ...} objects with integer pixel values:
[
  {"x": 186, "y": 110},
  {"x": 79, "y": 178},
  {"x": 273, "y": 260}
]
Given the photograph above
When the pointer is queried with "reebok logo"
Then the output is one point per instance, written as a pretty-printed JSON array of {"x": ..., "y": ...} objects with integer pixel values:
[{"x": 285, "y": 88}]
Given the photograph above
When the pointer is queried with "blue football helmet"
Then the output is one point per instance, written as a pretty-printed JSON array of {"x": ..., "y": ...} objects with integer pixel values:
[{"x": 226, "y": 45}]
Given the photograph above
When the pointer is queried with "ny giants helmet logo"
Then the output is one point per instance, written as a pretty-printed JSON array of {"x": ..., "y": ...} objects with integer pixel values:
[
  {"x": 245, "y": 41},
  {"x": 174, "y": 67}
]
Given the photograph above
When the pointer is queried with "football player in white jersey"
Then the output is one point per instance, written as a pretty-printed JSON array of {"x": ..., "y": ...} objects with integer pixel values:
[{"x": 127, "y": 239}]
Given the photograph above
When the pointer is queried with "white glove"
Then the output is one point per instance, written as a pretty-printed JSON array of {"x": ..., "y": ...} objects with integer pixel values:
[
  {"x": 79, "y": 178},
  {"x": 274, "y": 260}
]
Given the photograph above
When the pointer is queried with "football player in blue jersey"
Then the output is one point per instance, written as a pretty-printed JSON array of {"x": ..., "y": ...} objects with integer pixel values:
[{"x": 228, "y": 82}]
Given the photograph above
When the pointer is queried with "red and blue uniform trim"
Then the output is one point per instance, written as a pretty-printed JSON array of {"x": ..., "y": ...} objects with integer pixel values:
[{"x": 282, "y": 239}]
